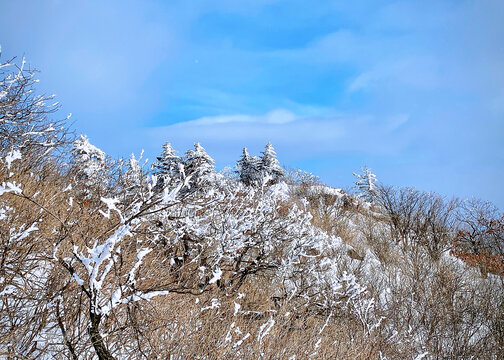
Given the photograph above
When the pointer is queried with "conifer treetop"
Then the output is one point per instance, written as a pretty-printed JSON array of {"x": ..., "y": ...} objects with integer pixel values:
[
  {"x": 270, "y": 166},
  {"x": 199, "y": 153},
  {"x": 168, "y": 151},
  {"x": 198, "y": 163},
  {"x": 248, "y": 168},
  {"x": 134, "y": 172},
  {"x": 245, "y": 153},
  {"x": 83, "y": 150},
  {"x": 168, "y": 162},
  {"x": 90, "y": 161}
]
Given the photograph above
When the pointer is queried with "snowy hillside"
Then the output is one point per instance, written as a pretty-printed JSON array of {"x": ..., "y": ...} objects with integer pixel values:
[{"x": 116, "y": 259}]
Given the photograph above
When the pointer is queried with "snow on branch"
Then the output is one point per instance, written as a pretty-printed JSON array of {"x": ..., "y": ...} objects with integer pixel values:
[
  {"x": 111, "y": 205},
  {"x": 10, "y": 187},
  {"x": 11, "y": 156}
]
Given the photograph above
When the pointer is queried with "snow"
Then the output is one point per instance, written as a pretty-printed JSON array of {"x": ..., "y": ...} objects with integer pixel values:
[
  {"x": 98, "y": 255},
  {"x": 86, "y": 150},
  {"x": 228, "y": 336},
  {"x": 4, "y": 211},
  {"x": 169, "y": 196},
  {"x": 325, "y": 324},
  {"x": 215, "y": 303},
  {"x": 421, "y": 356},
  {"x": 10, "y": 187},
  {"x": 140, "y": 255},
  {"x": 327, "y": 190},
  {"x": 13, "y": 155},
  {"x": 236, "y": 308},
  {"x": 111, "y": 205},
  {"x": 77, "y": 279},
  {"x": 25, "y": 233},
  {"x": 265, "y": 329},
  {"x": 217, "y": 274},
  {"x": 90, "y": 160},
  {"x": 279, "y": 191},
  {"x": 239, "y": 342}
]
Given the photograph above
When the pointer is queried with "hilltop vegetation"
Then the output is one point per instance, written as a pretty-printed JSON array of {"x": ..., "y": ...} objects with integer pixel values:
[{"x": 109, "y": 259}]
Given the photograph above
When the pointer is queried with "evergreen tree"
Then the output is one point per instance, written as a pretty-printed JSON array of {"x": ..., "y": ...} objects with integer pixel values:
[
  {"x": 89, "y": 161},
  {"x": 365, "y": 183},
  {"x": 133, "y": 181},
  {"x": 248, "y": 169},
  {"x": 134, "y": 172},
  {"x": 169, "y": 164},
  {"x": 134, "y": 177},
  {"x": 271, "y": 171},
  {"x": 198, "y": 164}
]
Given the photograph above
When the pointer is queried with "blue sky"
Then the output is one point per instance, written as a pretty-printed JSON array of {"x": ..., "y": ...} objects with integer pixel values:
[{"x": 412, "y": 89}]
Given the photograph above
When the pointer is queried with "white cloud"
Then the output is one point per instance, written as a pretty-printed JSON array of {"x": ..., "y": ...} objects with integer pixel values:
[{"x": 277, "y": 116}]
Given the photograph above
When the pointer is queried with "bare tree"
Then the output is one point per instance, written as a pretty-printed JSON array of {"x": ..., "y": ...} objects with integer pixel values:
[{"x": 25, "y": 125}]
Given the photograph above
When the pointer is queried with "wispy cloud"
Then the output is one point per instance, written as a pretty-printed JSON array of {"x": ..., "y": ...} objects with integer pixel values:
[
  {"x": 277, "y": 116},
  {"x": 296, "y": 137}
]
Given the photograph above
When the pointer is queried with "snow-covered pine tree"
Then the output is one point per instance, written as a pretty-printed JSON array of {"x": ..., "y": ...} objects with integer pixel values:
[
  {"x": 198, "y": 164},
  {"x": 90, "y": 163},
  {"x": 134, "y": 172},
  {"x": 248, "y": 169},
  {"x": 169, "y": 165},
  {"x": 271, "y": 171},
  {"x": 365, "y": 183},
  {"x": 133, "y": 180}
]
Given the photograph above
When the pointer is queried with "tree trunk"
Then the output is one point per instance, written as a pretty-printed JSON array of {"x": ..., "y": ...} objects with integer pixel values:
[{"x": 96, "y": 338}]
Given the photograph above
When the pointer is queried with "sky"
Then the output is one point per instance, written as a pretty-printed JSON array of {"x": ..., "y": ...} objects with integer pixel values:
[{"x": 412, "y": 89}]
